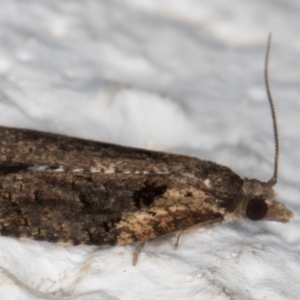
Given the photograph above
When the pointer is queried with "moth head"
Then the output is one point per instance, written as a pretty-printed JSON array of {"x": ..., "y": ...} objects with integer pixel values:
[{"x": 260, "y": 203}]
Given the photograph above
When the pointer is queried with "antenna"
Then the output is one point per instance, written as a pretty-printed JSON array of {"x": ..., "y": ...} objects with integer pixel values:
[{"x": 273, "y": 180}]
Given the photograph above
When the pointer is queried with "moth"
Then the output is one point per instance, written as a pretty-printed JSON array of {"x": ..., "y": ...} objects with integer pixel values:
[{"x": 73, "y": 191}]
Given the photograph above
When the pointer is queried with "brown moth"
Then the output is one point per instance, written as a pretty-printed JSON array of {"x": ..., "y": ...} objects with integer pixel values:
[{"x": 67, "y": 190}]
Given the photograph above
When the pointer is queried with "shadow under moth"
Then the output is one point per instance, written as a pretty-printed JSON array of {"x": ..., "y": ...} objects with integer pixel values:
[{"x": 73, "y": 191}]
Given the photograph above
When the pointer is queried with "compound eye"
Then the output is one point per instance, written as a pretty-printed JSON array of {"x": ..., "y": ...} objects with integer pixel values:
[{"x": 256, "y": 209}]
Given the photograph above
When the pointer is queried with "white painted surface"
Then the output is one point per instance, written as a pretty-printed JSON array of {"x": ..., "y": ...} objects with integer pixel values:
[{"x": 183, "y": 76}]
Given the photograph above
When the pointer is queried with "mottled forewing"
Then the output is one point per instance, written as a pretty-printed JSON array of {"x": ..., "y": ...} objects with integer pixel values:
[{"x": 62, "y": 189}]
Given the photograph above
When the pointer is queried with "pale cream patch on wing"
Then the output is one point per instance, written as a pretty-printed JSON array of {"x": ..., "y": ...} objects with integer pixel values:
[{"x": 207, "y": 183}]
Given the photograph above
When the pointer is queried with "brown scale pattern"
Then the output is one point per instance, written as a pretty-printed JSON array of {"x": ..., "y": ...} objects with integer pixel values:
[{"x": 73, "y": 191}]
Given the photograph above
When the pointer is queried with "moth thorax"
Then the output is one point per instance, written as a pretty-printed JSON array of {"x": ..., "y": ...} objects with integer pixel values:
[{"x": 257, "y": 196}]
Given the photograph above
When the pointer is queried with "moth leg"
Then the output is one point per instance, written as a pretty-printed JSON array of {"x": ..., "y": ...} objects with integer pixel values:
[
  {"x": 180, "y": 232},
  {"x": 137, "y": 252},
  {"x": 193, "y": 228},
  {"x": 177, "y": 239}
]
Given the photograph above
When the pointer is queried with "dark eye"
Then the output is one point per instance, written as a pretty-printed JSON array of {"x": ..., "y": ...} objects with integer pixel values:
[{"x": 256, "y": 209}]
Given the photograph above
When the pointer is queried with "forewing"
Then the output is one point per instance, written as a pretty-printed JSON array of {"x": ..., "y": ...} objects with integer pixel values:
[{"x": 69, "y": 190}]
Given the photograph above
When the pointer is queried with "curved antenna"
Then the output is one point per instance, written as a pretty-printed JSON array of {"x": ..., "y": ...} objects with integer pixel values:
[{"x": 273, "y": 180}]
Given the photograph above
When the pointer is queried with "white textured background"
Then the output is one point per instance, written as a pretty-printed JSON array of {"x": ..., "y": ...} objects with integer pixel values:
[{"x": 183, "y": 76}]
